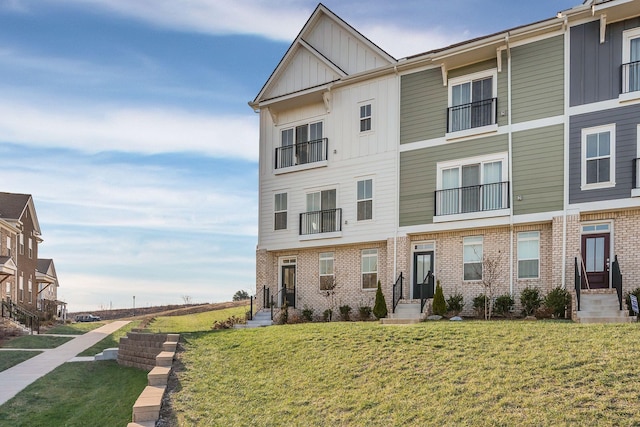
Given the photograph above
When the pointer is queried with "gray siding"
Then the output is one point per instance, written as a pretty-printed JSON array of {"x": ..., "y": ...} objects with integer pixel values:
[
  {"x": 626, "y": 120},
  {"x": 595, "y": 68},
  {"x": 423, "y": 106},
  {"x": 538, "y": 79},
  {"x": 418, "y": 169},
  {"x": 538, "y": 162}
]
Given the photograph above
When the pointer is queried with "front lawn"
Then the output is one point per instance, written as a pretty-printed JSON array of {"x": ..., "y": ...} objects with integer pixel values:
[
  {"x": 74, "y": 328},
  {"x": 13, "y": 357},
  {"x": 195, "y": 322},
  {"x": 437, "y": 373},
  {"x": 36, "y": 341}
]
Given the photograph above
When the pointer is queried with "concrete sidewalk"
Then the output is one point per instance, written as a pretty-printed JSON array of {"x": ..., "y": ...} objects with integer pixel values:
[{"x": 15, "y": 379}]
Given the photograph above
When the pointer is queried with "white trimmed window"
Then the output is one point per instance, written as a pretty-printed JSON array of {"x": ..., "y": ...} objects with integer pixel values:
[
  {"x": 8, "y": 246},
  {"x": 301, "y": 145},
  {"x": 631, "y": 60},
  {"x": 8, "y": 288},
  {"x": 365, "y": 117},
  {"x": 598, "y": 157},
  {"x": 30, "y": 289},
  {"x": 21, "y": 288},
  {"x": 365, "y": 199},
  {"x": 472, "y": 101},
  {"x": 472, "y": 257},
  {"x": 529, "y": 255},
  {"x": 30, "y": 248},
  {"x": 326, "y": 271},
  {"x": 21, "y": 245},
  {"x": 369, "y": 268},
  {"x": 280, "y": 211}
]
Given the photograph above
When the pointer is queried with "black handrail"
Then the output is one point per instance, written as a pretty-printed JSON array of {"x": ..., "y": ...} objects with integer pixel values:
[
  {"x": 302, "y": 153},
  {"x": 630, "y": 77},
  {"x": 472, "y": 115},
  {"x": 397, "y": 292},
  {"x": 474, "y": 198},
  {"x": 265, "y": 296},
  {"x": 616, "y": 278},
  {"x": 324, "y": 221},
  {"x": 578, "y": 283},
  {"x": 428, "y": 281},
  {"x": 21, "y": 315}
]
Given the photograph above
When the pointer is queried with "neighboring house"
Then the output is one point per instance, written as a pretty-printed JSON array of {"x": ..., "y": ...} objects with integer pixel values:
[
  {"x": 19, "y": 211},
  {"x": 520, "y": 147},
  {"x": 8, "y": 267},
  {"x": 47, "y": 279}
]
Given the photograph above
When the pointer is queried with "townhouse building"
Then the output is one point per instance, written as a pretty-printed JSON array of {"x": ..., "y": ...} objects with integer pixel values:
[{"x": 517, "y": 150}]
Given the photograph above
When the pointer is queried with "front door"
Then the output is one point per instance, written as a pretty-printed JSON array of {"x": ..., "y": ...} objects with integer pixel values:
[
  {"x": 422, "y": 265},
  {"x": 289, "y": 285},
  {"x": 595, "y": 253}
]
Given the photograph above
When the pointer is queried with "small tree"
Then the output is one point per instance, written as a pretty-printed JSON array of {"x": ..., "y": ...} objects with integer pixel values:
[
  {"x": 491, "y": 272},
  {"x": 439, "y": 304},
  {"x": 380, "y": 306},
  {"x": 241, "y": 295},
  {"x": 530, "y": 300}
]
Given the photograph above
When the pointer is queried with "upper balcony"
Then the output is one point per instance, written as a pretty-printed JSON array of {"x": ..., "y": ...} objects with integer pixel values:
[
  {"x": 631, "y": 77},
  {"x": 309, "y": 153},
  {"x": 473, "y": 115},
  {"x": 327, "y": 222},
  {"x": 463, "y": 201}
]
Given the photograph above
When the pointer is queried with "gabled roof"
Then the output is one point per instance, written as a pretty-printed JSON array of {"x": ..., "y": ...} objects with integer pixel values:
[
  {"x": 13, "y": 207},
  {"x": 310, "y": 46},
  {"x": 7, "y": 266},
  {"x": 46, "y": 271}
]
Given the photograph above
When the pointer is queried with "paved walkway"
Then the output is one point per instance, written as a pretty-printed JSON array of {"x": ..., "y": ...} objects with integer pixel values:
[{"x": 16, "y": 378}]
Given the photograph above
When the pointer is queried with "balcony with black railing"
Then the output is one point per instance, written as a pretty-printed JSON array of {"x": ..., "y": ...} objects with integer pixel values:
[
  {"x": 324, "y": 221},
  {"x": 302, "y": 153},
  {"x": 473, "y": 115},
  {"x": 631, "y": 77},
  {"x": 475, "y": 198}
]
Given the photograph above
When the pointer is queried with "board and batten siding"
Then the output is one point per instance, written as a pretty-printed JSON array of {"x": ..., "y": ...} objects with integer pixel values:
[
  {"x": 537, "y": 80},
  {"x": 626, "y": 120},
  {"x": 595, "y": 67},
  {"x": 423, "y": 106},
  {"x": 538, "y": 174},
  {"x": 418, "y": 174}
]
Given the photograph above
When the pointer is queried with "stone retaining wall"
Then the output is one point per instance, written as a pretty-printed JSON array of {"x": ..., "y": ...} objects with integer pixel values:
[{"x": 139, "y": 350}]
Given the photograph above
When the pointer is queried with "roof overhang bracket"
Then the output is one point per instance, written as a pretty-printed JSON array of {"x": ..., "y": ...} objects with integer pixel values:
[
  {"x": 274, "y": 116},
  {"x": 326, "y": 97},
  {"x": 445, "y": 74},
  {"x": 603, "y": 27}
]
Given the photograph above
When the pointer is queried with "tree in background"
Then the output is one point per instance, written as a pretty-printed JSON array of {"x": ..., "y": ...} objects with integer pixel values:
[{"x": 241, "y": 295}]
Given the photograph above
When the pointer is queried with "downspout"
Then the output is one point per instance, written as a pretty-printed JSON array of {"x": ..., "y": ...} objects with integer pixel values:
[
  {"x": 396, "y": 207},
  {"x": 510, "y": 134},
  {"x": 566, "y": 152}
]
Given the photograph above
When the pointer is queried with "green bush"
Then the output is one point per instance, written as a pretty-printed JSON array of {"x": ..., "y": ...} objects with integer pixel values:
[
  {"x": 635, "y": 292},
  {"x": 307, "y": 314},
  {"x": 439, "y": 305},
  {"x": 479, "y": 304},
  {"x": 531, "y": 300},
  {"x": 557, "y": 301},
  {"x": 380, "y": 306},
  {"x": 364, "y": 313},
  {"x": 455, "y": 303},
  {"x": 326, "y": 315},
  {"x": 502, "y": 305},
  {"x": 284, "y": 313},
  {"x": 345, "y": 310}
]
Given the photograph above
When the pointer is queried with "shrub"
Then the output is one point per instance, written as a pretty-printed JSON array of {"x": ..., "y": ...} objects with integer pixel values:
[
  {"x": 364, "y": 313},
  {"x": 226, "y": 324},
  {"x": 307, "y": 314},
  {"x": 479, "y": 305},
  {"x": 284, "y": 314},
  {"x": 326, "y": 315},
  {"x": 455, "y": 303},
  {"x": 439, "y": 305},
  {"x": 503, "y": 304},
  {"x": 380, "y": 306},
  {"x": 635, "y": 292},
  {"x": 557, "y": 301},
  {"x": 344, "y": 312},
  {"x": 531, "y": 300}
]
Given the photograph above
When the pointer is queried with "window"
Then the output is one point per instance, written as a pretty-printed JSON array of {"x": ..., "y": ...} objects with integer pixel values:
[
  {"x": 365, "y": 199},
  {"x": 326, "y": 271},
  {"x": 365, "y": 117},
  {"x": 631, "y": 61},
  {"x": 280, "y": 209},
  {"x": 21, "y": 288},
  {"x": 472, "y": 101},
  {"x": 529, "y": 255},
  {"x": 21, "y": 247},
  {"x": 8, "y": 246},
  {"x": 30, "y": 247},
  {"x": 472, "y": 258},
  {"x": 8, "y": 288},
  {"x": 322, "y": 215},
  {"x": 369, "y": 269},
  {"x": 598, "y": 157},
  {"x": 300, "y": 145},
  {"x": 30, "y": 289},
  {"x": 472, "y": 185}
]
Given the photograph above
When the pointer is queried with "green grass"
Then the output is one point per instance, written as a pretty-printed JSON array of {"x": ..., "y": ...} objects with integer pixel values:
[
  {"x": 12, "y": 358},
  {"x": 36, "y": 341},
  {"x": 77, "y": 394},
  {"x": 195, "y": 322},
  {"x": 437, "y": 373},
  {"x": 75, "y": 328},
  {"x": 110, "y": 341}
]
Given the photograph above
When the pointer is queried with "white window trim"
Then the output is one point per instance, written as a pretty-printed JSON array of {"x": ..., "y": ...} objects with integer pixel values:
[
  {"x": 493, "y": 73},
  {"x": 362, "y": 273},
  {"x": 373, "y": 110},
  {"x": 627, "y": 36},
  {"x": 635, "y": 192},
  {"x": 275, "y": 211},
  {"x": 611, "y": 128},
  {"x": 528, "y": 239},
  {"x": 333, "y": 263},
  {"x": 373, "y": 186},
  {"x": 278, "y": 144},
  {"x": 320, "y": 236},
  {"x": 481, "y": 258}
]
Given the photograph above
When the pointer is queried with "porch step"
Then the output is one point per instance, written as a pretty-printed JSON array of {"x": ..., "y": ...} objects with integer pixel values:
[
  {"x": 409, "y": 311},
  {"x": 389, "y": 321},
  {"x": 108, "y": 354},
  {"x": 260, "y": 319},
  {"x": 599, "y": 307}
]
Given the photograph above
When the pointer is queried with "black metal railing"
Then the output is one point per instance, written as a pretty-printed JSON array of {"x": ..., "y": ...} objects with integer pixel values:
[
  {"x": 475, "y": 198},
  {"x": 631, "y": 77},
  {"x": 578, "y": 283},
  {"x": 472, "y": 115},
  {"x": 426, "y": 290},
  {"x": 397, "y": 292},
  {"x": 265, "y": 296},
  {"x": 18, "y": 314},
  {"x": 616, "y": 279},
  {"x": 325, "y": 221},
  {"x": 251, "y": 307},
  {"x": 302, "y": 153}
]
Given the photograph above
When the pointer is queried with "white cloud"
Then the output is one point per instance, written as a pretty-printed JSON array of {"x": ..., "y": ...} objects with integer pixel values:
[
  {"x": 133, "y": 130},
  {"x": 403, "y": 42}
]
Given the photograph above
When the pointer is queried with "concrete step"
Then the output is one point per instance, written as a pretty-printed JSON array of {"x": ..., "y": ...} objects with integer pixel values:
[
  {"x": 396, "y": 321},
  {"x": 108, "y": 354},
  {"x": 143, "y": 424},
  {"x": 407, "y": 311},
  {"x": 602, "y": 319},
  {"x": 602, "y": 313}
]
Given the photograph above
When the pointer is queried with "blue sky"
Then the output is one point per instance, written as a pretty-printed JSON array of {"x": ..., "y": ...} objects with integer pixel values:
[{"x": 127, "y": 120}]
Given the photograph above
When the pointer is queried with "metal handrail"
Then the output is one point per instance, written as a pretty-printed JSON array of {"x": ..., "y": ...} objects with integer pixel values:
[
  {"x": 397, "y": 292},
  {"x": 578, "y": 283},
  {"x": 265, "y": 296},
  {"x": 616, "y": 278},
  {"x": 302, "y": 153},
  {"x": 472, "y": 115},
  {"x": 21, "y": 315},
  {"x": 473, "y": 198},
  {"x": 324, "y": 221},
  {"x": 630, "y": 77},
  {"x": 428, "y": 280}
]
